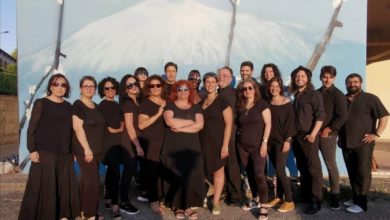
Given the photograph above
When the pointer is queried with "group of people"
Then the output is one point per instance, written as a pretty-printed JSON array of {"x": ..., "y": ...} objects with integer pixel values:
[{"x": 178, "y": 137}]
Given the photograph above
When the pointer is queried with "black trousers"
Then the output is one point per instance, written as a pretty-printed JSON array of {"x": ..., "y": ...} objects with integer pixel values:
[
  {"x": 232, "y": 173},
  {"x": 156, "y": 173},
  {"x": 328, "y": 151},
  {"x": 309, "y": 165},
  {"x": 358, "y": 163},
  {"x": 279, "y": 159}
]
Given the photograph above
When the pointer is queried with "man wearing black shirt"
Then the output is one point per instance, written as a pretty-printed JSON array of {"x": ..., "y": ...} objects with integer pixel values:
[
  {"x": 336, "y": 113},
  {"x": 232, "y": 170},
  {"x": 309, "y": 114},
  {"x": 357, "y": 139},
  {"x": 170, "y": 77}
]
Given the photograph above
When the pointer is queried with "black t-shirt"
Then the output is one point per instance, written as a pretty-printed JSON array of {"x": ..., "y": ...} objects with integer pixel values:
[
  {"x": 111, "y": 113},
  {"x": 251, "y": 125},
  {"x": 283, "y": 123},
  {"x": 128, "y": 106},
  {"x": 93, "y": 125},
  {"x": 363, "y": 114},
  {"x": 50, "y": 127}
]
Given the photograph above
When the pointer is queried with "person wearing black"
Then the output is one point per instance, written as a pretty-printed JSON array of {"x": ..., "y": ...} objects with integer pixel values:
[
  {"x": 128, "y": 96},
  {"x": 253, "y": 130},
  {"x": 268, "y": 72},
  {"x": 232, "y": 168},
  {"x": 181, "y": 151},
  {"x": 87, "y": 145},
  {"x": 282, "y": 131},
  {"x": 215, "y": 136},
  {"x": 111, "y": 112},
  {"x": 336, "y": 113},
  {"x": 151, "y": 124},
  {"x": 141, "y": 74},
  {"x": 51, "y": 190},
  {"x": 309, "y": 114},
  {"x": 357, "y": 139},
  {"x": 170, "y": 70}
]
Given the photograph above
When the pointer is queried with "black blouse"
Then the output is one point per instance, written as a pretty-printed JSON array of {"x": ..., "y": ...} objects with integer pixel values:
[
  {"x": 128, "y": 106},
  {"x": 283, "y": 123},
  {"x": 50, "y": 127},
  {"x": 111, "y": 113}
]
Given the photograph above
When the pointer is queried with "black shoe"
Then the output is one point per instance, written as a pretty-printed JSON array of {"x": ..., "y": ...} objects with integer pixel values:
[
  {"x": 128, "y": 208},
  {"x": 313, "y": 208},
  {"x": 334, "y": 202}
]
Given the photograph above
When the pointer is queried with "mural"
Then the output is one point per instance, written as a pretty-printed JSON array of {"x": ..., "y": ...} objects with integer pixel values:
[{"x": 102, "y": 38}]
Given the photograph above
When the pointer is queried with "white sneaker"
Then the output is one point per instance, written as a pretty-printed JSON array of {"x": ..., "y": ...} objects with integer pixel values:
[
  {"x": 348, "y": 203},
  {"x": 354, "y": 209}
]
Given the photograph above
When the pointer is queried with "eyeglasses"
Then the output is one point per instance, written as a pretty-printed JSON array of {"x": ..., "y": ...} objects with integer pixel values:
[
  {"x": 56, "y": 84},
  {"x": 88, "y": 87},
  {"x": 151, "y": 86},
  {"x": 249, "y": 88},
  {"x": 132, "y": 85},
  {"x": 182, "y": 89},
  {"x": 109, "y": 87}
]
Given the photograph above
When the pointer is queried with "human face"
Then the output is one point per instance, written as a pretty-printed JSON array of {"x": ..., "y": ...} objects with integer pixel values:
[
  {"x": 142, "y": 76},
  {"x": 301, "y": 79},
  {"x": 194, "y": 78},
  {"x": 327, "y": 80},
  {"x": 132, "y": 87},
  {"x": 109, "y": 90},
  {"x": 88, "y": 89},
  {"x": 170, "y": 73},
  {"x": 354, "y": 86},
  {"x": 155, "y": 88},
  {"x": 224, "y": 78},
  {"x": 210, "y": 84},
  {"x": 274, "y": 89},
  {"x": 246, "y": 72},
  {"x": 58, "y": 87},
  {"x": 183, "y": 92},
  {"x": 248, "y": 90},
  {"x": 269, "y": 73}
]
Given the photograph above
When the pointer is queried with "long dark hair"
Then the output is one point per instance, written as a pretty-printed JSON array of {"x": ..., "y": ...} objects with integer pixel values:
[
  {"x": 293, "y": 86},
  {"x": 280, "y": 83},
  {"x": 241, "y": 100},
  {"x": 274, "y": 68},
  {"x": 122, "y": 88}
]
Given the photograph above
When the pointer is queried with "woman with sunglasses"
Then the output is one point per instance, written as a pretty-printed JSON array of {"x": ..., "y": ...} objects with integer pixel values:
[
  {"x": 283, "y": 129},
  {"x": 151, "y": 124},
  {"x": 215, "y": 136},
  {"x": 129, "y": 99},
  {"x": 195, "y": 79},
  {"x": 51, "y": 190},
  {"x": 254, "y": 126},
  {"x": 87, "y": 145},
  {"x": 111, "y": 112},
  {"x": 181, "y": 152}
]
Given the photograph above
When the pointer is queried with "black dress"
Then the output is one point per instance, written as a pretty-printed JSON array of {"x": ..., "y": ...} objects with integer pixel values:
[
  {"x": 181, "y": 154},
  {"x": 51, "y": 190},
  {"x": 212, "y": 134}
]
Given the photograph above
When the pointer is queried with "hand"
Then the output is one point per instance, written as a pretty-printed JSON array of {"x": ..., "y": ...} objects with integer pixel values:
[
  {"x": 263, "y": 149},
  {"x": 325, "y": 132},
  {"x": 88, "y": 155},
  {"x": 286, "y": 147},
  {"x": 111, "y": 130},
  {"x": 368, "y": 138},
  {"x": 34, "y": 157},
  {"x": 161, "y": 109},
  {"x": 310, "y": 138},
  {"x": 224, "y": 152},
  {"x": 140, "y": 152},
  {"x": 175, "y": 129}
]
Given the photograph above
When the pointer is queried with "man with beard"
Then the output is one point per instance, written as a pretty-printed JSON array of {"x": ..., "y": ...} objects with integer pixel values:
[
  {"x": 309, "y": 114},
  {"x": 357, "y": 139}
]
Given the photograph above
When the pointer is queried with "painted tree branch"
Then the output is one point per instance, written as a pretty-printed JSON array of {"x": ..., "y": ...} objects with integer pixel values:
[
  {"x": 55, "y": 65},
  {"x": 320, "y": 47},
  {"x": 231, "y": 34}
]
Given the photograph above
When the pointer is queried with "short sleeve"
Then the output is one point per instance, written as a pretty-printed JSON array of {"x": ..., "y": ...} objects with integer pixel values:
[
  {"x": 378, "y": 108},
  {"x": 77, "y": 110},
  {"x": 33, "y": 125},
  {"x": 170, "y": 106},
  {"x": 263, "y": 105},
  {"x": 197, "y": 109},
  {"x": 127, "y": 107},
  {"x": 223, "y": 103}
]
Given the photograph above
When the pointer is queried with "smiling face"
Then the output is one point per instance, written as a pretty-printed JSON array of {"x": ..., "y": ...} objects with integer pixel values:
[
  {"x": 248, "y": 90},
  {"x": 58, "y": 87},
  {"x": 269, "y": 73},
  {"x": 224, "y": 78},
  {"x": 109, "y": 90},
  {"x": 210, "y": 84},
  {"x": 155, "y": 88},
  {"x": 275, "y": 89},
  {"x": 194, "y": 78},
  {"x": 88, "y": 89},
  {"x": 183, "y": 92},
  {"x": 132, "y": 87},
  {"x": 301, "y": 79},
  {"x": 354, "y": 85},
  {"x": 246, "y": 72}
]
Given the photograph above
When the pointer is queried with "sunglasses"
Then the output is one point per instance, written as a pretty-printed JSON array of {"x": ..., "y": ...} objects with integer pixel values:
[
  {"x": 182, "y": 89},
  {"x": 88, "y": 87},
  {"x": 249, "y": 88},
  {"x": 109, "y": 87},
  {"x": 194, "y": 78},
  {"x": 132, "y": 85},
  {"x": 56, "y": 84},
  {"x": 151, "y": 86}
]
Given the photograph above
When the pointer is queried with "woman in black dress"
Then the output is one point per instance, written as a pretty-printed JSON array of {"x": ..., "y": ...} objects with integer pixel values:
[
  {"x": 151, "y": 124},
  {"x": 254, "y": 126},
  {"x": 87, "y": 145},
  {"x": 51, "y": 190},
  {"x": 128, "y": 96},
  {"x": 283, "y": 128},
  {"x": 111, "y": 113},
  {"x": 181, "y": 152},
  {"x": 215, "y": 136}
]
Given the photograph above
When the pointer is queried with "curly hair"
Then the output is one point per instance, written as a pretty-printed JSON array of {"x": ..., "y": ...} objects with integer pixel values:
[
  {"x": 191, "y": 97},
  {"x": 274, "y": 68},
  {"x": 103, "y": 82},
  {"x": 146, "y": 88},
  {"x": 241, "y": 100}
]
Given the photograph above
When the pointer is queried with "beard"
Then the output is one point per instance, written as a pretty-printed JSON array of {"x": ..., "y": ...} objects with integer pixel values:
[{"x": 353, "y": 90}]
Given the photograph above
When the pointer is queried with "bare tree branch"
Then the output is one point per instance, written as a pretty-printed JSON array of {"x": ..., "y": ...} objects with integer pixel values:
[{"x": 231, "y": 34}]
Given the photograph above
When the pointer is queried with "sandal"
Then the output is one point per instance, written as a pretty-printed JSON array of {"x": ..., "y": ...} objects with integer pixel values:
[
  {"x": 263, "y": 213},
  {"x": 191, "y": 214},
  {"x": 179, "y": 214}
]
